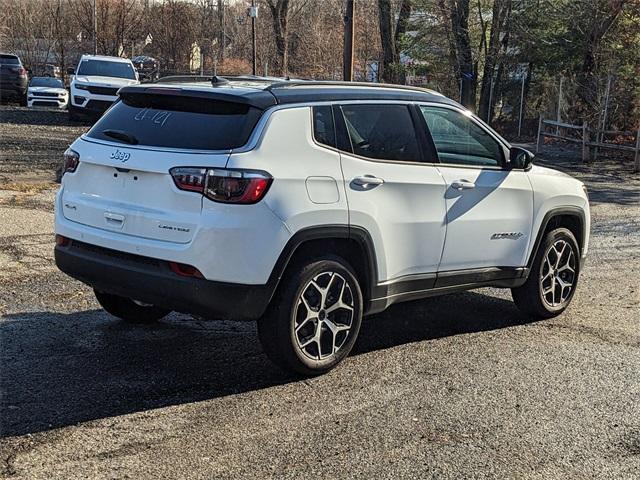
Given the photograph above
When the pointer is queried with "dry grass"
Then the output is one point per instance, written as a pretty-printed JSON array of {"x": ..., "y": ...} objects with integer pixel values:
[{"x": 27, "y": 187}]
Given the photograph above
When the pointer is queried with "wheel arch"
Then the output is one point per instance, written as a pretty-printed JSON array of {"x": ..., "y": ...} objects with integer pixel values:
[
  {"x": 572, "y": 218},
  {"x": 354, "y": 244}
]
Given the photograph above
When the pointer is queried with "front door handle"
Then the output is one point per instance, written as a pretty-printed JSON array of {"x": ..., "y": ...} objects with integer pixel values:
[
  {"x": 367, "y": 182},
  {"x": 462, "y": 184}
]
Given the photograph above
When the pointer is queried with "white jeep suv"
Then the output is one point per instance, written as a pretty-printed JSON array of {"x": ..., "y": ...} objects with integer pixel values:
[
  {"x": 306, "y": 205},
  {"x": 96, "y": 81}
]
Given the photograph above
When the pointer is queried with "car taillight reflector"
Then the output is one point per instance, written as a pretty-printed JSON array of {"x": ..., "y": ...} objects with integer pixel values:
[
  {"x": 62, "y": 241},
  {"x": 222, "y": 184},
  {"x": 185, "y": 270}
]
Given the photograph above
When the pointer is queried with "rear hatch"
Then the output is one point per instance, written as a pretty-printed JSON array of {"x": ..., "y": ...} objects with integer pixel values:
[
  {"x": 10, "y": 68},
  {"x": 123, "y": 183}
]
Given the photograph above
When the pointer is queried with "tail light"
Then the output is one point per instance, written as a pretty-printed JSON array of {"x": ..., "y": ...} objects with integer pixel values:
[
  {"x": 187, "y": 178},
  {"x": 243, "y": 187},
  {"x": 21, "y": 71},
  {"x": 237, "y": 186},
  {"x": 71, "y": 161}
]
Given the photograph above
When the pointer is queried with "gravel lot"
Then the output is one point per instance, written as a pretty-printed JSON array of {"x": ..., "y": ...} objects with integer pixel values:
[{"x": 460, "y": 386}]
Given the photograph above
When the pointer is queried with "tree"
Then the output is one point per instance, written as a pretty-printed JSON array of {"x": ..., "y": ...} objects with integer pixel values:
[
  {"x": 391, "y": 38},
  {"x": 459, "y": 12},
  {"x": 600, "y": 16},
  {"x": 280, "y": 17},
  {"x": 498, "y": 43}
]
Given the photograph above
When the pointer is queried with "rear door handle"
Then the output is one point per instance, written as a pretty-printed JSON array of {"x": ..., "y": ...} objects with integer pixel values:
[
  {"x": 462, "y": 184},
  {"x": 367, "y": 182}
]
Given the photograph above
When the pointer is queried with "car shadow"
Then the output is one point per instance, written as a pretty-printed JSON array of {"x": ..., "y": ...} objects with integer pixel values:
[
  {"x": 60, "y": 369},
  {"x": 43, "y": 116}
]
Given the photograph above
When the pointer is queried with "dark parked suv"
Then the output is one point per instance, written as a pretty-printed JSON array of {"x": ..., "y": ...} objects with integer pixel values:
[{"x": 13, "y": 77}]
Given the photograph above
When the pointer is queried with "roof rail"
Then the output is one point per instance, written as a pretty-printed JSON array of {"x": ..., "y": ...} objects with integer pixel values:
[
  {"x": 214, "y": 80},
  {"x": 337, "y": 83},
  {"x": 208, "y": 78},
  {"x": 256, "y": 78},
  {"x": 184, "y": 78}
]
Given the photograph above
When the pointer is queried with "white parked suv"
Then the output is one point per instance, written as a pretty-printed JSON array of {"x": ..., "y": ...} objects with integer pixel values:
[
  {"x": 47, "y": 92},
  {"x": 306, "y": 205},
  {"x": 96, "y": 81}
]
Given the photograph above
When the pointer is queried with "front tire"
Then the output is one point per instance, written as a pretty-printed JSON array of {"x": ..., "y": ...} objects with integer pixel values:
[
  {"x": 314, "y": 319},
  {"x": 553, "y": 277},
  {"x": 129, "y": 310}
]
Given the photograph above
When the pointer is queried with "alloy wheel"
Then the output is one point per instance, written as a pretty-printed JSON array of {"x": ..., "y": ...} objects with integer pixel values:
[
  {"x": 558, "y": 274},
  {"x": 323, "y": 316}
]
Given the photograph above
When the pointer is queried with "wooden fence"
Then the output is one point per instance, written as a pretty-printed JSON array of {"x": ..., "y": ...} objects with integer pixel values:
[{"x": 583, "y": 137}]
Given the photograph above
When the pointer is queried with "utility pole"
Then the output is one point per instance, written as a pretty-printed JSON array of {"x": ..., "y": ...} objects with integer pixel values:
[
  {"x": 253, "y": 13},
  {"x": 222, "y": 34},
  {"x": 95, "y": 27},
  {"x": 347, "y": 57}
]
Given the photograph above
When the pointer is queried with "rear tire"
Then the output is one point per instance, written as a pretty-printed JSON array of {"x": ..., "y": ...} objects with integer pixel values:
[
  {"x": 553, "y": 277},
  {"x": 129, "y": 310},
  {"x": 74, "y": 116},
  {"x": 313, "y": 321}
]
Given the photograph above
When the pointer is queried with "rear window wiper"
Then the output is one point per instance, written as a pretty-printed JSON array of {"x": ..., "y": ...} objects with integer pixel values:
[{"x": 122, "y": 136}]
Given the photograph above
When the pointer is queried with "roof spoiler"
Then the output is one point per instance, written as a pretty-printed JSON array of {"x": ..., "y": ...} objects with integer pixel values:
[{"x": 260, "y": 99}]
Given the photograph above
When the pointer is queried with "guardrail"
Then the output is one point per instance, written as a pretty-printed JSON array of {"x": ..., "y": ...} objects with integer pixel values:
[{"x": 583, "y": 138}]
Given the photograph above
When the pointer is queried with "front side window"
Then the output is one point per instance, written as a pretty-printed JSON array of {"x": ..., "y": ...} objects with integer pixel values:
[
  {"x": 458, "y": 140},
  {"x": 382, "y": 132},
  {"x": 103, "y": 68}
]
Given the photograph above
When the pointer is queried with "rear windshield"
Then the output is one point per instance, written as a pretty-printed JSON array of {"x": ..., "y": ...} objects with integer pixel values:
[
  {"x": 177, "y": 122},
  {"x": 105, "y": 68},
  {"x": 9, "y": 60}
]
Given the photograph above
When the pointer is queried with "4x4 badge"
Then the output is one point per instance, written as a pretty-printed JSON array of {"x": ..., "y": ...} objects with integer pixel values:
[{"x": 118, "y": 155}]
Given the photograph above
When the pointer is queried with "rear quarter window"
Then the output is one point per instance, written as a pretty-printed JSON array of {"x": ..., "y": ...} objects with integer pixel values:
[
  {"x": 178, "y": 122},
  {"x": 323, "y": 127}
]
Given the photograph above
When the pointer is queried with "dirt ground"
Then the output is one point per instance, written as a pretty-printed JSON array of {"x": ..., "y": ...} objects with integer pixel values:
[{"x": 461, "y": 386}]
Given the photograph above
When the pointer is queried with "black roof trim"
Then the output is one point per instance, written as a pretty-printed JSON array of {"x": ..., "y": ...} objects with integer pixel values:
[{"x": 282, "y": 92}]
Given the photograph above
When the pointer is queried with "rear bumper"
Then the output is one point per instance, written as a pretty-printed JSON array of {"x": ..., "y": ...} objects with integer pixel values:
[
  {"x": 152, "y": 281},
  {"x": 17, "y": 88}
]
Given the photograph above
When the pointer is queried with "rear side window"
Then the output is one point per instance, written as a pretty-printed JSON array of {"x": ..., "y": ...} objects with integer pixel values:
[
  {"x": 177, "y": 122},
  {"x": 323, "y": 128},
  {"x": 382, "y": 132}
]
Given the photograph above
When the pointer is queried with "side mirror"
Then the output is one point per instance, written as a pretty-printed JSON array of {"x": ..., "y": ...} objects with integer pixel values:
[
  {"x": 71, "y": 71},
  {"x": 520, "y": 158}
]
